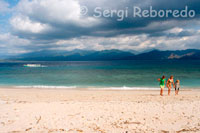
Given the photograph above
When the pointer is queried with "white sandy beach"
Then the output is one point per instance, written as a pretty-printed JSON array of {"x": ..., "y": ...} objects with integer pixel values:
[{"x": 37, "y": 110}]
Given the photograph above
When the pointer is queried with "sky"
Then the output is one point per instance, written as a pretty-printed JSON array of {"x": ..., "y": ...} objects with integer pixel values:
[{"x": 36, "y": 25}]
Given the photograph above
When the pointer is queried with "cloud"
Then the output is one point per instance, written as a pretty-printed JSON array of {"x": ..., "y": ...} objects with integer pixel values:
[
  {"x": 59, "y": 24},
  {"x": 51, "y": 19},
  {"x": 54, "y": 12},
  {"x": 24, "y": 24},
  {"x": 132, "y": 42},
  {"x": 11, "y": 45},
  {"x": 55, "y": 19}
]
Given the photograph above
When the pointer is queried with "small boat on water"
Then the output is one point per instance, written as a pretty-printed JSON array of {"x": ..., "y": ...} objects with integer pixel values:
[{"x": 33, "y": 65}]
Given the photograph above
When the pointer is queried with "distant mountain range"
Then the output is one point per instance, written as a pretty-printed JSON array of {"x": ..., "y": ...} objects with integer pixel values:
[{"x": 86, "y": 55}]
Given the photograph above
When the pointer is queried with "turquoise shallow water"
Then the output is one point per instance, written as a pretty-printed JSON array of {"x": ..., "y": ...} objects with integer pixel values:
[{"x": 135, "y": 74}]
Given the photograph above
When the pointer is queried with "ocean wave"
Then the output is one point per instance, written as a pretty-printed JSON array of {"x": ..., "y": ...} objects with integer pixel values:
[
  {"x": 48, "y": 87},
  {"x": 89, "y": 88},
  {"x": 125, "y": 88}
]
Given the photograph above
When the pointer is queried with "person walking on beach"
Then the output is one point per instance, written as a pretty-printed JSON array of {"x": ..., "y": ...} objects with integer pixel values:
[
  {"x": 170, "y": 82},
  {"x": 177, "y": 86},
  {"x": 162, "y": 84}
]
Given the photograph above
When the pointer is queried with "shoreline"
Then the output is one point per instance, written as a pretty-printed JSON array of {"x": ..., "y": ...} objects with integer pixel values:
[{"x": 97, "y": 88}]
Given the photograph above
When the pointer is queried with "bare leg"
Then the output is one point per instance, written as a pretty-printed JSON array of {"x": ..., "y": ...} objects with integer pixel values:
[
  {"x": 169, "y": 90},
  {"x": 161, "y": 91}
]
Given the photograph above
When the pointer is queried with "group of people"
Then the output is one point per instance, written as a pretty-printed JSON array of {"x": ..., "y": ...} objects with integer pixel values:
[{"x": 169, "y": 84}]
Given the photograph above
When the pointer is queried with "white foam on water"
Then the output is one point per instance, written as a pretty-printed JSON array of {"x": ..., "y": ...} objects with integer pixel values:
[
  {"x": 48, "y": 87},
  {"x": 125, "y": 88},
  {"x": 89, "y": 88}
]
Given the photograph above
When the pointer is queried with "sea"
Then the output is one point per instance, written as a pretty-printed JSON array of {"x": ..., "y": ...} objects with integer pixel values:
[{"x": 113, "y": 75}]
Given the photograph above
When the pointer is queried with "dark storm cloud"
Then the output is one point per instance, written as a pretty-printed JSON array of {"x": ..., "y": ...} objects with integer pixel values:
[
  {"x": 109, "y": 27},
  {"x": 173, "y": 35},
  {"x": 57, "y": 24}
]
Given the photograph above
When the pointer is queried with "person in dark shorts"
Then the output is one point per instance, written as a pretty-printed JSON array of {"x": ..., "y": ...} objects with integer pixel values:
[{"x": 177, "y": 87}]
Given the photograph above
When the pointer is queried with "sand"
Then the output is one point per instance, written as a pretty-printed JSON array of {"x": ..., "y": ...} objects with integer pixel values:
[{"x": 39, "y": 110}]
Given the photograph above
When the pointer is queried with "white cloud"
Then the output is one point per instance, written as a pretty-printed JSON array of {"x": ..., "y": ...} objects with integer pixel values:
[
  {"x": 54, "y": 12},
  {"x": 123, "y": 42},
  {"x": 22, "y": 23},
  {"x": 11, "y": 45},
  {"x": 127, "y": 42},
  {"x": 175, "y": 30}
]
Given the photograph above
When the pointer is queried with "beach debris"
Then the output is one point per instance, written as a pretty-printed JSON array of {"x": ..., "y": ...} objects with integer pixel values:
[
  {"x": 38, "y": 120},
  {"x": 96, "y": 128},
  {"x": 22, "y": 102},
  {"x": 3, "y": 123},
  {"x": 15, "y": 132},
  {"x": 195, "y": 129},
  {"x": 28, "y": 129},
  {"x": 62, "y": 130},
  {"x": 127, "y": 122},
  {"x": 163, "y": 131},
  {"x": 77, "y": 130}
]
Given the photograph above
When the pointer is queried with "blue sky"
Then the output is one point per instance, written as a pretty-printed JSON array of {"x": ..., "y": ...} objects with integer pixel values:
[{"x": 35, "y": 25}]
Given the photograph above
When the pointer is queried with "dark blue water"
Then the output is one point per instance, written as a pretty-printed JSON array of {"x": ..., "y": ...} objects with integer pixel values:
[{"x": 139, "y": 74}]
